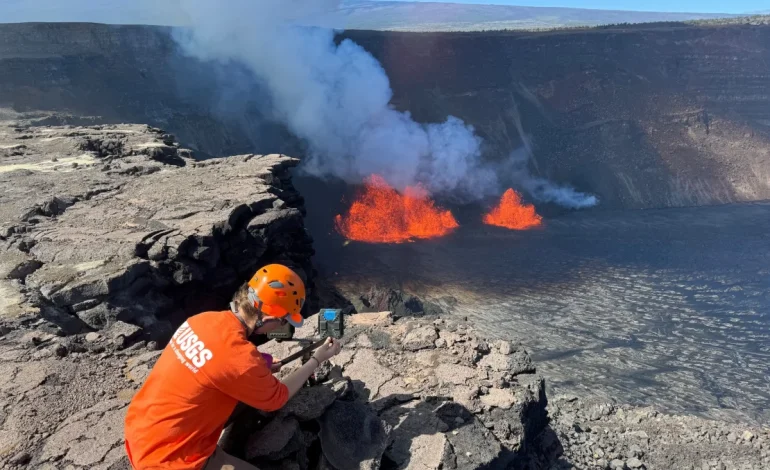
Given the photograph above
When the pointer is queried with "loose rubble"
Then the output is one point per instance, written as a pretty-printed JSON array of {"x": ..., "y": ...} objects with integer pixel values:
[{"x": 594, "y": 434}]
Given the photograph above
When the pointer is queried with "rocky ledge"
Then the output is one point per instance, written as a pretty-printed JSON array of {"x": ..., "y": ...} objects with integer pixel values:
[
  {"x": 417, "y": 393},
  {"x": 116, "y": 229}
]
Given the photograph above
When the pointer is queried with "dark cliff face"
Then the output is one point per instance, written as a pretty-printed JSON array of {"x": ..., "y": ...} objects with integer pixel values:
[
  {"x": 658, "y": 117},
  {"x": 133, "y": 74},
  {"x": 654, "y": 116}
]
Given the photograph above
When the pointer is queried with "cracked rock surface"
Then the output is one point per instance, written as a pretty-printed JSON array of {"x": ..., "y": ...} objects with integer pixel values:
[
  {"x": 59, "y": 411},
  {"x": 436, "y": 407},
  {"x": 117, "y": 223}
]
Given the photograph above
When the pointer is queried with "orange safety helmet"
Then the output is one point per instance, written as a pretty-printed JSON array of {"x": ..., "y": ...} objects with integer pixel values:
[{"x": 279, "y": 292}]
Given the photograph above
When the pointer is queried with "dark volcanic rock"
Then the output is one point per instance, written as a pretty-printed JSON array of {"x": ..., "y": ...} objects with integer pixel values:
[
  {"x": 399, "y": 303},
  {"x": 272, "y": 438},
  {"x": 442, "y": 407},
  {"x": 352, "y": 436},
  {"x": 310, "y": 403}
]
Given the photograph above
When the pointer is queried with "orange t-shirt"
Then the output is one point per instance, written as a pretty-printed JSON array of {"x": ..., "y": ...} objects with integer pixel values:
[{"x": 175, "y": 419}]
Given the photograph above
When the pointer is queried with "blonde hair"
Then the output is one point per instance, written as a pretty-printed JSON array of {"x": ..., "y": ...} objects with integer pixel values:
[{"x": 244, "y": 305}]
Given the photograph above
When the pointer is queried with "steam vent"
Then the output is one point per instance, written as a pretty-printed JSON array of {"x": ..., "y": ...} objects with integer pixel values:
[{"x": 537, "y": 237}]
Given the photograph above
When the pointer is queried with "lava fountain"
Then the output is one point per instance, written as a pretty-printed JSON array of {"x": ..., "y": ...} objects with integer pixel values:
[
  {"x": 381, "y": 215},
  {"x": 511, "y": 213}
]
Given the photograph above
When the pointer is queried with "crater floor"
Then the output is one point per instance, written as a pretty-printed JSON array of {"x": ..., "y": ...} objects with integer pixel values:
[{"x": 664, "y": 307}]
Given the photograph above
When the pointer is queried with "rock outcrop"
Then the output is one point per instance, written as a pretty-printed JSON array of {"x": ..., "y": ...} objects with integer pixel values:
[
  {"x": 455, "y": 402},
  {"x": 103, "y": 227}
]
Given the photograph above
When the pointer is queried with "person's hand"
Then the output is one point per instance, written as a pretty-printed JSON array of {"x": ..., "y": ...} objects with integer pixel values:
[
  {"x": 276, "y": 367},
  {"x": 329, "y": 349}
]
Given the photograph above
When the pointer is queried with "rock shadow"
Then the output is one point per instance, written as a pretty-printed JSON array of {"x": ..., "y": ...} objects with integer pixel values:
[
  {"x": 399, "y": 431},
  {"x": 438, "y": 433}
]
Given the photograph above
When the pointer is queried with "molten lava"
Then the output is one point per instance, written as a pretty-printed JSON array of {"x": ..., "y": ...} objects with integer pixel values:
[
  {"x": 382, "y": 215},
  {"x": 512, "y": 214}
]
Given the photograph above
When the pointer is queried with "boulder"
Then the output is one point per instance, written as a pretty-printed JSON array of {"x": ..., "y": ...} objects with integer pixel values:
[
  {"x": 121, "y": 333},
  {"x": 423, "y": 337},
  {"x": 352, "y": 436},
  {"x": 498, "y": 398},
  {"x": 123, "y": 329},
  {"x": 399, "y": 303},
  {"x": 474, "y": 445},
  {"x": 310, "y": 402},
  {"x": 97, "y": 317},
  {"x": 93, "y": 337},
  {"x": 272, "y": 438},
  {"x": 516, "y": 363}
]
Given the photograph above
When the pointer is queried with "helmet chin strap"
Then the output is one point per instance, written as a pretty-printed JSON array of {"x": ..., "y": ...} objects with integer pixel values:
[
  {"x": 259, "y": 323},
  {"x": 256, "y": 302}
]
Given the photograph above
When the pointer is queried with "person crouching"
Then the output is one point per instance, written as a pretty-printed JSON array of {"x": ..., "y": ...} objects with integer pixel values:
[{"x": 175, "y": 419}]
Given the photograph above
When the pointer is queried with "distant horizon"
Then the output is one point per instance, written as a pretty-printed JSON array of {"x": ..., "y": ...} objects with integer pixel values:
[
  {"x": 172, "y": 13},
  {"x": 738, "y": 7}
]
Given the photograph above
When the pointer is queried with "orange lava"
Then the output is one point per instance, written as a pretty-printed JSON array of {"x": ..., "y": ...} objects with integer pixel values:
[
  {"x": 512, "y": 214},
  {"x": 381, "y": 215}
]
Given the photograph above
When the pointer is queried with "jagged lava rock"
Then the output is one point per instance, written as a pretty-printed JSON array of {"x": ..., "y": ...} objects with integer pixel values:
[
  {"x": 412, "y": 391},
  {"x": 126, "y": 233},
  {"x": 310, "y": 403},
  {"x": 272, "y": 438},
  {"x": 420, "y": 338},
  {"x": 353, "y": 436}
]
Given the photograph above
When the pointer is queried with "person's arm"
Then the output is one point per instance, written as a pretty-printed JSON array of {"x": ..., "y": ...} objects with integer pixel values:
[{"x": 297, "y": 379}]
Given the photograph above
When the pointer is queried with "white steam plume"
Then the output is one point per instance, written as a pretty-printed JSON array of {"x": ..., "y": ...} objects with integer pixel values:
[
  {"x": 336, "y": 97},
  {"x": 541, "y": 189}
]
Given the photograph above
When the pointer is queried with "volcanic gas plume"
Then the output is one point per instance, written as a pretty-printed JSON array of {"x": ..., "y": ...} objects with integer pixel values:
[
  {"x": 511, "y": 213},
  {"x": 381, "y": 215}
]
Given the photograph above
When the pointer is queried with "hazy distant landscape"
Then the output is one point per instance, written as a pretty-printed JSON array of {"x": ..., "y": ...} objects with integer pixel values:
[
  {"x": 425, "y": 16},
  {"x": 379, "y": 15}
]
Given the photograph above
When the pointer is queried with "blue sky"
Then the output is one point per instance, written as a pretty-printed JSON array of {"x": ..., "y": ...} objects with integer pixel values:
[
  {"x": 169, "y": 11},
  {"x": 688, "y": 6},
  {"x": 99, "y": 11}
]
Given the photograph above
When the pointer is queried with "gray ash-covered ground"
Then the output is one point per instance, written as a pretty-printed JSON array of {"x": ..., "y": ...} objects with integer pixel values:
[
  {"x": 664, "y": 307},
  {"x": 596, "y": 434}
]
